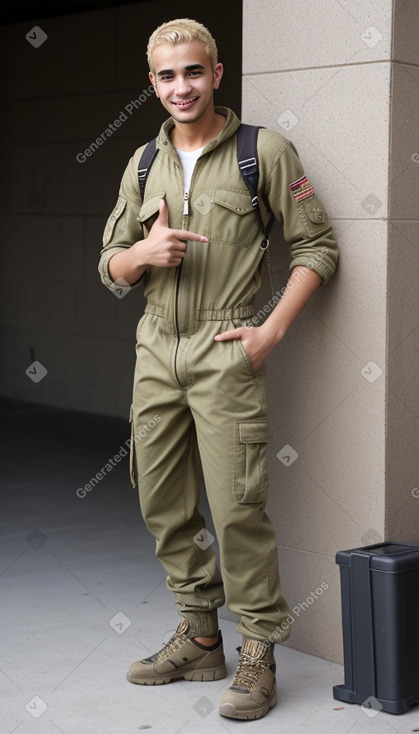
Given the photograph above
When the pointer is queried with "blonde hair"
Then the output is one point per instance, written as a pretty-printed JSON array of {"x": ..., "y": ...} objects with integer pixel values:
[{"x": 182, "y": 30}]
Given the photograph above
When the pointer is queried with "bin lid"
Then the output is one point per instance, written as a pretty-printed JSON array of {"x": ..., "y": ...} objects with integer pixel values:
[{"x": 390, "y": 556}]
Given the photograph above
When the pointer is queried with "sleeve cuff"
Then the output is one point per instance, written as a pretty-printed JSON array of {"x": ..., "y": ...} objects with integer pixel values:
[
  {"x": 119, "y": 286},
  {"x": 319, "y": 267}
]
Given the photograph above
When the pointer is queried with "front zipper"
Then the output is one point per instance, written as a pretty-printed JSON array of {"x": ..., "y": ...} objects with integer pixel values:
[
  {"x": 176, "y": 323},
  {"x": 185, "y": 220}
]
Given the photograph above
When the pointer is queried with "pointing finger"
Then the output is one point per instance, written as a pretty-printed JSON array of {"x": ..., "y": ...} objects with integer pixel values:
[{"x": 184, "y": 234}]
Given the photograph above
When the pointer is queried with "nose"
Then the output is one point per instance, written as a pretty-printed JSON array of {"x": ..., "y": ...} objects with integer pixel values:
[{"x": 182, "y": 84}]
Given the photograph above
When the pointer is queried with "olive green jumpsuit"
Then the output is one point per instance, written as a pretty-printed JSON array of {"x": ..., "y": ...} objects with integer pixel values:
[{"x": 210, "y": 402}]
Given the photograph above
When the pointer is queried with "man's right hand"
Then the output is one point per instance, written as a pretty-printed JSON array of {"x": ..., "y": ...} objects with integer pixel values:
[{"x": 165, "y": 247}]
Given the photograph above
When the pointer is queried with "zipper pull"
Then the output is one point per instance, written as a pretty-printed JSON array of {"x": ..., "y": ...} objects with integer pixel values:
[{"x": 186, "y": 204}]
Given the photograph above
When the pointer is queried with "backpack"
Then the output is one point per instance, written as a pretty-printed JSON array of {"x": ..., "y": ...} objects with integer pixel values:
[{"x": 247, "y": 160}]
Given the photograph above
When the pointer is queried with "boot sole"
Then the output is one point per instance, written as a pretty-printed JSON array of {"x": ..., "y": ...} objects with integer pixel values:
[
  {"x": 201, "y": 674},
  {"x": 228, "y": 710}
]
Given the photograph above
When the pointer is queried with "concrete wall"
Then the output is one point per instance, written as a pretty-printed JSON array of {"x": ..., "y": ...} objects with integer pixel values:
[
  {"x": 57, "y": 97},
  {"x": 341, "y": 80}
]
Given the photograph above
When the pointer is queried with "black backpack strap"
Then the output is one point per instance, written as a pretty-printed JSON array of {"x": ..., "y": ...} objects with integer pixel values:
[
  {"x": 247, "y": 158},
  {"x": 149, "y": 153}
]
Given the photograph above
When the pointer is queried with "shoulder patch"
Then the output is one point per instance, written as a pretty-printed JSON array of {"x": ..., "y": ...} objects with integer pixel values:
[
  {"x": 316, "y": 213},
  {"x": 301, "y": 189}
]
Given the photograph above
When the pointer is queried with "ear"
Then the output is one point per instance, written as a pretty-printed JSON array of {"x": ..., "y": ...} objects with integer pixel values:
[
  {"x": 154, "y": 82},
  {"x": 218, "y": 73}
]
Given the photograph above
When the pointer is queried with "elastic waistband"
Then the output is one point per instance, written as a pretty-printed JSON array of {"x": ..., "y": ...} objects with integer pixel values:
[
  {"x": 225, "y": 314},
  {"x": 211, "y": 314}
]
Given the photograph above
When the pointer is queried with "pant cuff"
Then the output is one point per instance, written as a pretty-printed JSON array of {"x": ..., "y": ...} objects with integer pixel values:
[
  {"x": 264, "y": 631},
  {"x": 202, "y": 624}
]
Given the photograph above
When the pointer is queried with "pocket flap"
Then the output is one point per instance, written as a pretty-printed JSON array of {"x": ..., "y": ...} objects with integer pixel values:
[
  {"x": 238, "y": 201},
  {"x": 150, "y": 206},
  {"x": 253, "y": 432}
]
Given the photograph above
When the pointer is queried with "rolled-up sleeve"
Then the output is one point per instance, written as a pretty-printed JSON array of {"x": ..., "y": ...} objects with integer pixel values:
[
  {"x": 305, "y": 222},
  {"x": 122, "y": 228}
]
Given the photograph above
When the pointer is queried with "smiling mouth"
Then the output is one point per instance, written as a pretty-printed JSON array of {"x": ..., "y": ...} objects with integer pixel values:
[{"x": 185, "y": 104}]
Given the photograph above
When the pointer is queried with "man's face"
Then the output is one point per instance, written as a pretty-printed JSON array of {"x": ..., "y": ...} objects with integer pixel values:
[{"x": 184, "y": 80}]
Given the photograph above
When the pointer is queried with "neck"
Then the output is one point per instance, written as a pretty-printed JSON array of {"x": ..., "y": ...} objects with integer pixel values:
[{"x": 193, "y": 135}]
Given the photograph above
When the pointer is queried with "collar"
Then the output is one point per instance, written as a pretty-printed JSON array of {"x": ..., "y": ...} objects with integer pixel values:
[{"x": 229, "y": 129}]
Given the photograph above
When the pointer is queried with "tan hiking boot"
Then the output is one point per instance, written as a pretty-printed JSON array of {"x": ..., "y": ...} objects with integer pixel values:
[
  {"x": 252, "y": 692},
  {"x": 181, "y": 657}
]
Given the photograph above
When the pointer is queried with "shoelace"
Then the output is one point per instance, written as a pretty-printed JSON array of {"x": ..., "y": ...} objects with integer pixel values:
[
  {"x": 249, "y": 670},
  {"x": 174, "y": 644}
]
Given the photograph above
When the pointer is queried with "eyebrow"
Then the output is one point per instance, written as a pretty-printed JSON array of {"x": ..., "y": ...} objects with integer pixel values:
[{"x": 191, "y": 67}]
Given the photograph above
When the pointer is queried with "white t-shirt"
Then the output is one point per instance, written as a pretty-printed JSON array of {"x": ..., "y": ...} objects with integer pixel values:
[{"x": 188, "y": 159}]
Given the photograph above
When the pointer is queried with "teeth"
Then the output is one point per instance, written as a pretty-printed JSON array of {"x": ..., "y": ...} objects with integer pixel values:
[{"x": 184, "y": 102}]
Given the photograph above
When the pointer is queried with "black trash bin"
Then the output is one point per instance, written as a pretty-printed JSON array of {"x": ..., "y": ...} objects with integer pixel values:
[{"x": 380, "y": 621}]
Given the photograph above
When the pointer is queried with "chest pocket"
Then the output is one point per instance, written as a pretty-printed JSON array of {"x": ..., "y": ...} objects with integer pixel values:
[
  {"x": 233, "y": 219},
  {"x": 150, "y": 211}
]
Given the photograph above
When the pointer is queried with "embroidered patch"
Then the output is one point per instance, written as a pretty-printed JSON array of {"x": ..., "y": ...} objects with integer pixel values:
[
  {"x": 301, "y": 189},
  {"x": 316, "y": 213}
]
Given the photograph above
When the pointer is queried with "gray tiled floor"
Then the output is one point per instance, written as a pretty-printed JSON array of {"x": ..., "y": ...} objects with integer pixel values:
[{"x": 82, "y": 595}]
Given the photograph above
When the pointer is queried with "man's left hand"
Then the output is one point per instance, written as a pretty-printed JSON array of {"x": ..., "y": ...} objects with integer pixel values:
[{"x": 255, "y": 342}]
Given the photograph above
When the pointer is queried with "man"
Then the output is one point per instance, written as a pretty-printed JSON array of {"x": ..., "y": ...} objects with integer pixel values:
[{"x": 195, "y": 241}]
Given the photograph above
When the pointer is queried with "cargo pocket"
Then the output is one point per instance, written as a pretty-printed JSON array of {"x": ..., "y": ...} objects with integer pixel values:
[
  {"x": 132, "y": 460},
  {"x": 250, "y": 476},
  {"x": 150, "y": 211},
  {"x": 232, "y": 218},
  {"x": 112, "y": 220}
]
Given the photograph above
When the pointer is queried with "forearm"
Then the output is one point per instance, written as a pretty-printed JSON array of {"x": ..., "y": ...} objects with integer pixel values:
[
  {"x": 258, "y": 342},
  {"x": 303, "y": 282},
  {"x": 128, "y": 264}
]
